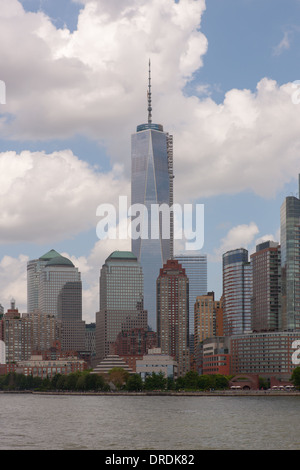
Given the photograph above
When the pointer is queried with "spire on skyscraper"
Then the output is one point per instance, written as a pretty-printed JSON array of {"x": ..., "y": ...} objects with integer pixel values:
[{"x": 149, "y": 96}]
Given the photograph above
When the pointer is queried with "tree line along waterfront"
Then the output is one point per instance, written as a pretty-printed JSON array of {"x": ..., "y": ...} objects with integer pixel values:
[{"x": 120, "y": 380}]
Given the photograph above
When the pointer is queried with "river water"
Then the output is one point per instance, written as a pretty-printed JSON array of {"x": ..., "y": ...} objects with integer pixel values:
[{"x": 45, "y": 422}]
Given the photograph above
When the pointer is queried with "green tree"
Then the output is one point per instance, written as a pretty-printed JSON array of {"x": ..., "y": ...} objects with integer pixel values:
[
  {"x": 263, "y": 383},
  {"x": 81, "y": 383},
  {"x": 221, "y": 382},
  {"x": 62, "y": 382},
  {"x": 118, "y": 376},
  {"x": 180, "y": 383},
  {"x": 296, "y": 377},
  {"x": 155, "y": 381},
  {"x": 54, "y": 381},
  {"x": 95, "y": 382},
  {"x": 191, "y": 380},
  {"x": 71, "y": 381},
  {"x": 134, "y": 383},
  {"x": 206, "y": 382},
  {"x": 171, "y": 385}
]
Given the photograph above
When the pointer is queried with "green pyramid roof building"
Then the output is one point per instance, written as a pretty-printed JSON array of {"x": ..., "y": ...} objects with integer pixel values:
[{"x": 51, "y": 254}]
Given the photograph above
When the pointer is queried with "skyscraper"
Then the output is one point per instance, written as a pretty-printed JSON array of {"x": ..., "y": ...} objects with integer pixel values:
[
  {"x": 69, "y": 313},
  {"x": 266, "y": 274},
  {"x": 152, "y": 183},
  {"x": 173, "y": 314},
  {"x": 196, "y": 270},
  {"x": 60, "y": 295},
  {"x": 237, "y": 292},
  {"x": 290, "y": 262},
  {"x": 53, "y": 277},
  {"x": 206, "y": 308},
  {"x": 121, "y": 300},
  {"x": 34, "y": 268}
]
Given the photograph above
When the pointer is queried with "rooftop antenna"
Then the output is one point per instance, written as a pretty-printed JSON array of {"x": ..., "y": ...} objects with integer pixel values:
[{"x": 149, "y": 96}]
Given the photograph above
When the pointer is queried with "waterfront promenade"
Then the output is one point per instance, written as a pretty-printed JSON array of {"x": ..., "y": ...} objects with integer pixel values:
[{"x": 211, "y": 393}]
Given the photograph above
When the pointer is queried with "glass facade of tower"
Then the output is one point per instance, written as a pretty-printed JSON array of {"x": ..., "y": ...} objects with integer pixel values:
[
  {"x": 237, "y": 292},
  {"x": 34, "y": 268},
  {"x": 53, "y": 277},
  {"x": 196, "y": 270},
  {"x": 151, "y": 184},
  {"x": 290, "y": 263}
]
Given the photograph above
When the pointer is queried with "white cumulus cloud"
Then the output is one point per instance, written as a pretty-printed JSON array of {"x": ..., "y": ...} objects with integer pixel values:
[{"x": 51, "y": 197}]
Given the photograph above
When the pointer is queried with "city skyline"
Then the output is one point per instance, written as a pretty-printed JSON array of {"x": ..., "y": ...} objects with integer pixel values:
[{"x": 65, "y": 130}]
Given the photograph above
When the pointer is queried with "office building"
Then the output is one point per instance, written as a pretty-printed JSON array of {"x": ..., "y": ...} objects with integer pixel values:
[
  {"x": 219, "y": 318},
  {"x": 132, "y": 344},
  {"x": 173, "y": 314},
  {"x": 237, "y": 292},
  {"x": 266, "y": 275},
  {"x": 90, "y": 342},
  {"x": 216, "y": 356},
  {"x": 53, "y": 277},
  {"x": 17, "y": 335},
  {"x": 121, "y": 300},
  {"x": 37, "y": 366},
  {"x": 28, "y": 332},
  {"x": 69, "y": 313},
  {"x": 205, "y": 316},
  {"x": 152, "y": 184},
  {"x": 268, "y": 354},
  {"x": 34, "y": 268},
  {"x": 157, "y": 362},
  {"x": 45, "y": 330},
  {"x": 290, "y": 256},
  {"x": 60, "y": 295},
  {"x": 196, "y": 270}
]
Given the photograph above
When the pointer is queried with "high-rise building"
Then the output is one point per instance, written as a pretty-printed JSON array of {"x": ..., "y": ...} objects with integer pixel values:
[
  {"x": 219, "y": 318},
  {"x": 152, "y": 183},
  {"x": 17, "y": 335},
  {"x": 34, "y": 268},
  {"x": 266, "y": 276},
  {"x": 290, "y": 259},
  {"x": 45, "y": 330},
  {"x": 121, "y": 300},
  {"x": 206, "y": 308},
  {"x": 60, "y": 295},
  {"x": 26, "y": 333},
  {"x": 173, "y": 314},
  {"x": 196, "y": 270},
  {"x": 53, "y": 277},
  {"x": 90, "y": 342},
  {"x": 69, "y": 313},
  {"x": 237, "y": 292}
]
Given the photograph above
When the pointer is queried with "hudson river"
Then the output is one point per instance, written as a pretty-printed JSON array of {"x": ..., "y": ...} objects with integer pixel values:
[{"x": 50, "y": 422}]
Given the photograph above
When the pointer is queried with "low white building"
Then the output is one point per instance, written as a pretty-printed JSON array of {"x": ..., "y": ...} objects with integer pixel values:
[{"x": 157, "y": 362}]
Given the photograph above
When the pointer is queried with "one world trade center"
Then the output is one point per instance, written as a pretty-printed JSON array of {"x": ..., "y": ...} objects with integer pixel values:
[{"x": 152, "y": 189}]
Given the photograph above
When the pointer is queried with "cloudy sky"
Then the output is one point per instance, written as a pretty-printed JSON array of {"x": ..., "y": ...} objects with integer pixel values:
[{"x": 224, "y": 83}]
